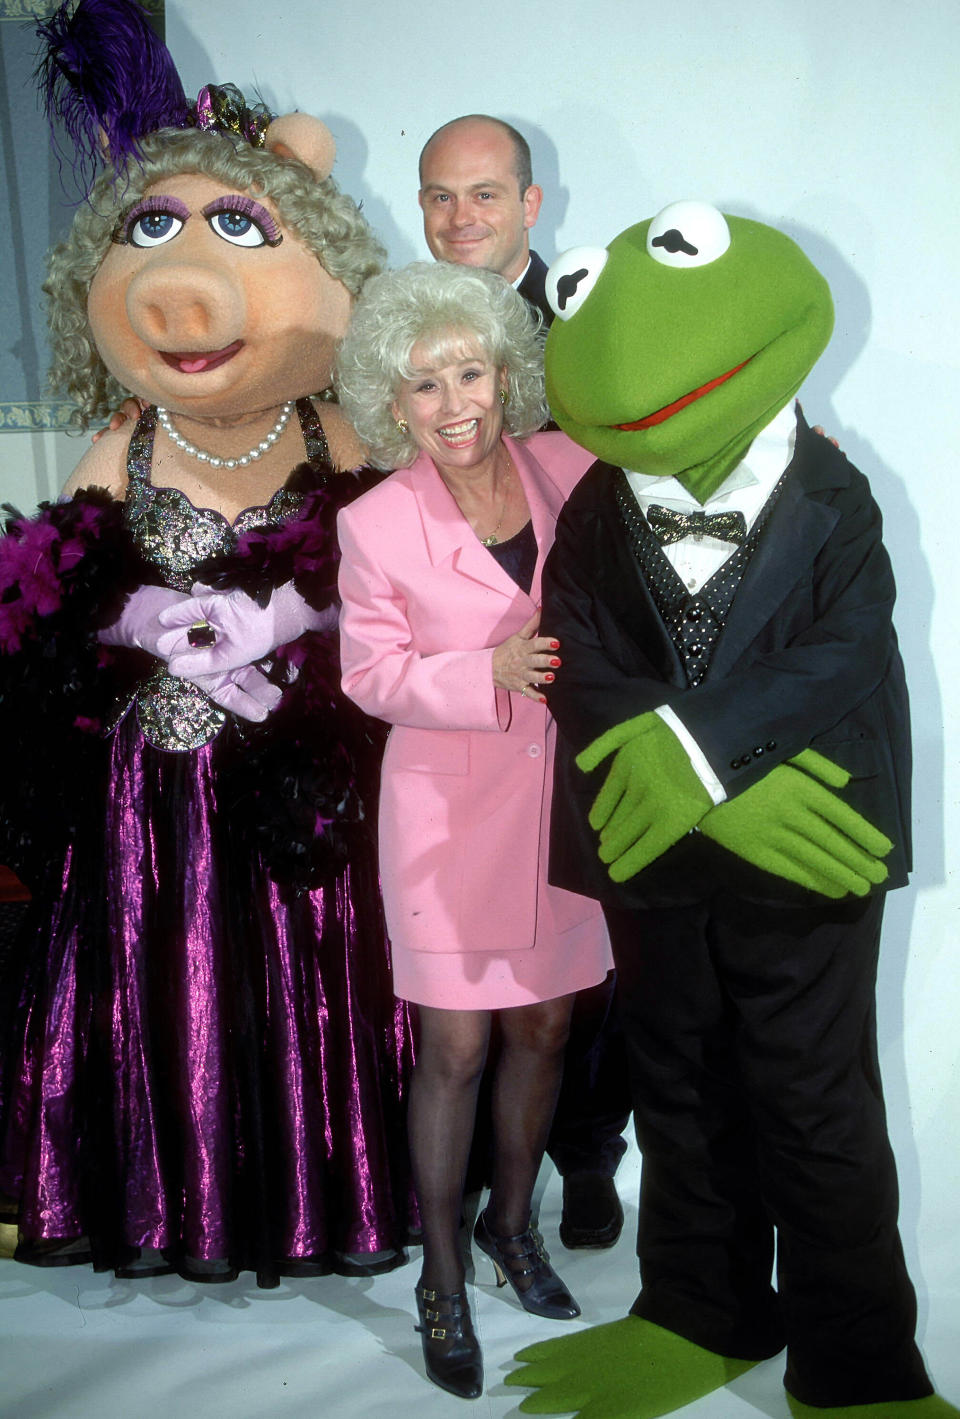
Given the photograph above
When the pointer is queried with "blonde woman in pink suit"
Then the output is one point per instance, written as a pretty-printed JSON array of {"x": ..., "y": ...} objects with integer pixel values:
[{"x": 441, "y": 373}]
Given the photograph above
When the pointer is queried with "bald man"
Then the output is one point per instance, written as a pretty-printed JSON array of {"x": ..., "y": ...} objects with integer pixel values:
[{"x": 479, "y": 203}]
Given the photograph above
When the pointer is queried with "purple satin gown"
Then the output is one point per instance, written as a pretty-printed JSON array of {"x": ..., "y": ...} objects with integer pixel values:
[{"x": 206, "y": 1068}]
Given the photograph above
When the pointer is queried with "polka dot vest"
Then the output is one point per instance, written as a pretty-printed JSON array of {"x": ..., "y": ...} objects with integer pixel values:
[{"x": 693, "y": 621}]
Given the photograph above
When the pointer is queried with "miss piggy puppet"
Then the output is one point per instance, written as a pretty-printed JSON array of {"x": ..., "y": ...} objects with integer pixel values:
[{"x": 203, "y": 1063}]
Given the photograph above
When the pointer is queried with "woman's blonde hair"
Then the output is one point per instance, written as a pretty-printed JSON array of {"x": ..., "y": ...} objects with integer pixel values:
[{"x": 445, "y": 309}]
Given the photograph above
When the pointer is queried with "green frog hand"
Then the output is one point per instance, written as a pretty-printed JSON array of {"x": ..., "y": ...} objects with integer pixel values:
[
  {"x": 651, "y": 795},
  {"x": 794, "y": 825},
  {"x": 629, "y": 1369}
]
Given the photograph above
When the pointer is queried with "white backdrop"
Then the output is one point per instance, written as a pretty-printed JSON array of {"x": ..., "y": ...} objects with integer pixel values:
[{"x": 835, "y": 120}]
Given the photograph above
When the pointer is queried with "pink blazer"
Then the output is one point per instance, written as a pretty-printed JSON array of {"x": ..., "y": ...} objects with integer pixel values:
[{"x": 467, "y": 773}]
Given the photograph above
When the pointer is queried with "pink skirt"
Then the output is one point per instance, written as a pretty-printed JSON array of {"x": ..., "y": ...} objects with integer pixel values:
[{"x": 558, "y": 963}]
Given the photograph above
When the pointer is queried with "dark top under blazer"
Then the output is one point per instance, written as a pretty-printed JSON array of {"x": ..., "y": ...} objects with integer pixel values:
[
  {"x": 533, "y": 287},
  {"x": 808, "y": 658}
]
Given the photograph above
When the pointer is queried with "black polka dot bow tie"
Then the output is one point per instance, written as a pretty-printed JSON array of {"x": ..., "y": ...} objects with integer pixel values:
[{"x": 669, "y": 526}]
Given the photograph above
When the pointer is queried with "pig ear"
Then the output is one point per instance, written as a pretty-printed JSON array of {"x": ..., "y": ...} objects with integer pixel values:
[{"x": 298, "y": 135}]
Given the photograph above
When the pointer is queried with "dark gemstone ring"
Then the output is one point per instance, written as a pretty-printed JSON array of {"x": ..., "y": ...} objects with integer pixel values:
[{"x": 201, "y": 635}]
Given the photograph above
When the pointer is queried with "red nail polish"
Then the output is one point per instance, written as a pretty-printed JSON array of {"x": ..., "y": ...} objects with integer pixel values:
[
  {"x": 554, "y": 645},
  {"x": 549, "y": 676},
  {"x": 555, "y": 661}
]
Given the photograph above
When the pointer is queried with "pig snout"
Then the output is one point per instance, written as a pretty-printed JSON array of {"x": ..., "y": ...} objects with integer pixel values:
[{"x": 183, "y": 307}]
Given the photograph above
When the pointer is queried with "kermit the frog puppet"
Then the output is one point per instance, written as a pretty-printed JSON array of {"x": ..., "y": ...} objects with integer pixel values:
[{"x": 733, "y": 783}]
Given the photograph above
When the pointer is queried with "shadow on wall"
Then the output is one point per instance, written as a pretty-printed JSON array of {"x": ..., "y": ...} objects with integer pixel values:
[
  {"x": 353, "y": 152},
  {"x": 546, "y": 174},
  {"x": 903, "y": 913}
]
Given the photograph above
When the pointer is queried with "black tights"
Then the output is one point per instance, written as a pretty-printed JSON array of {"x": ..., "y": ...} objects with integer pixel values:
[{"x": 443, "y": 1101}]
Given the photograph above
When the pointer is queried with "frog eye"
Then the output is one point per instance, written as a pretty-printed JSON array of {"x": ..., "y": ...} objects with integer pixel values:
[
  {"x": 572, "y": 277},
  {"x": 688, "y": 234}
]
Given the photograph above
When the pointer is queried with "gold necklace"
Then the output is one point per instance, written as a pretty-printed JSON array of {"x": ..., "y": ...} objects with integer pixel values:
[{"x": 493, "y": 539}]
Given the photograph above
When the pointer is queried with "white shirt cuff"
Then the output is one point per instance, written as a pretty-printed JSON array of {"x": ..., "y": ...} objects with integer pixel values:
[{"x": 695, "y": 754}]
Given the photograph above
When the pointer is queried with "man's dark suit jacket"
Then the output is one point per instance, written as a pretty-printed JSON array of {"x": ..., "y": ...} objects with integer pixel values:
[
  {"x": 808, "y": 658},
  {"x": 533, "y": 287}
]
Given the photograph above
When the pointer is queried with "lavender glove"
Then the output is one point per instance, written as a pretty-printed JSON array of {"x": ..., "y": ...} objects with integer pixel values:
[
  {"x": 245, "y": 692},
  {"x": 242, "y": 690},
  {"x": 240, "y": 632},
  {"x": 139, "y": 625}
]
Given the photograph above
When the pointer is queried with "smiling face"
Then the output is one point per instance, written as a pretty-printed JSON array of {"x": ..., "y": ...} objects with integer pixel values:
[
  {"x": 474, "y": 212},
  {"x": 205, "y": 305},
  {"x": 679, "y": 342},
  {"x": 453, "y": 407}
]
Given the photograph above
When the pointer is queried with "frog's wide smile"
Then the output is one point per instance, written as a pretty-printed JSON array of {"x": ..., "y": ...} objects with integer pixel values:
[{"x": 660, "y": 415}]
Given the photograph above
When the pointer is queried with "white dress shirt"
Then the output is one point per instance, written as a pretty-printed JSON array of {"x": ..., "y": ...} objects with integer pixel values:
[{"x": 745, "y": 489}]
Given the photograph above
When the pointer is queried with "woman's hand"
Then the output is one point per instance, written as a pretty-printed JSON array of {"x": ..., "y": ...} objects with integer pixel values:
[{"x": 526, "y": 661}]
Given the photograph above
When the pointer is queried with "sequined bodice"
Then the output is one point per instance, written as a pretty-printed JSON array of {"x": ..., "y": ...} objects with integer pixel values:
[
  {"x": 176, "y": 537},
  {"x": 172, "y": 534}
]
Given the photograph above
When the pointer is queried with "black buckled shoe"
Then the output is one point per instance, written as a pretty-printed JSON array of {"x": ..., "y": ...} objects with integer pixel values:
[
  {"x": 592, "y": 1215},
  {"x": 451, "y": 1351},
  {"x": 523, "y": 1261}
]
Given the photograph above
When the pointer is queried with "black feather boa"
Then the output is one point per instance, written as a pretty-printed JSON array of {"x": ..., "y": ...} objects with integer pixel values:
[
  {"x": 302, "y": 787},
  {"x": 304, "y": 550},
  {"x": 63, "y": 573},
  {"x": 303, "y": 784},
  {"x": 299, "y": 789}
]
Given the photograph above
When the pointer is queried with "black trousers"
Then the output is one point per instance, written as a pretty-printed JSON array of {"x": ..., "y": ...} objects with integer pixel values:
[
  {"x": 751, "y": 1041},
  {"x": 594, "y": 1104}
]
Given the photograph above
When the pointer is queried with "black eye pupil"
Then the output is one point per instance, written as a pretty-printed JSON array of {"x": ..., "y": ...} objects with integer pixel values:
[
  {"x": 154, "y": 224},
  {"x": 567, "y": 286},
  {"x": 674, "y": 241},
  {"x": 235, "y": 223}
]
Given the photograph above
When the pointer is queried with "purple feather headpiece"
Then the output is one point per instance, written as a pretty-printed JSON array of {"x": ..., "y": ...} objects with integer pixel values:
[{"x": 104, "y": 72}]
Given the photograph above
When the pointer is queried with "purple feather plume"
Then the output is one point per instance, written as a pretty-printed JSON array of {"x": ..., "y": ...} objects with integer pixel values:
[{"x": 103, "y": 70}]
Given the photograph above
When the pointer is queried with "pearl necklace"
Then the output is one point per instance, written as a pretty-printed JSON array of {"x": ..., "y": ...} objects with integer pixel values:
[{"x": 258, "y": 450}]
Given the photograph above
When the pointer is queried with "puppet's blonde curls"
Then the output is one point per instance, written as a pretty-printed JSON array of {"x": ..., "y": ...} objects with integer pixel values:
[{"x": 326, "y": 220}]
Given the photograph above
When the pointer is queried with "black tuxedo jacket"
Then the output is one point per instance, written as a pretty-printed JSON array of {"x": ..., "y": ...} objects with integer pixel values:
[
  {"x": 808, "y": 658},
  {"x": 533, "y": 287}
]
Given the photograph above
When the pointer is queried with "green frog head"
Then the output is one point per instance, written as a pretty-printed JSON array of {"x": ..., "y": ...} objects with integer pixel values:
[{"x": 674, "y": 346}]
